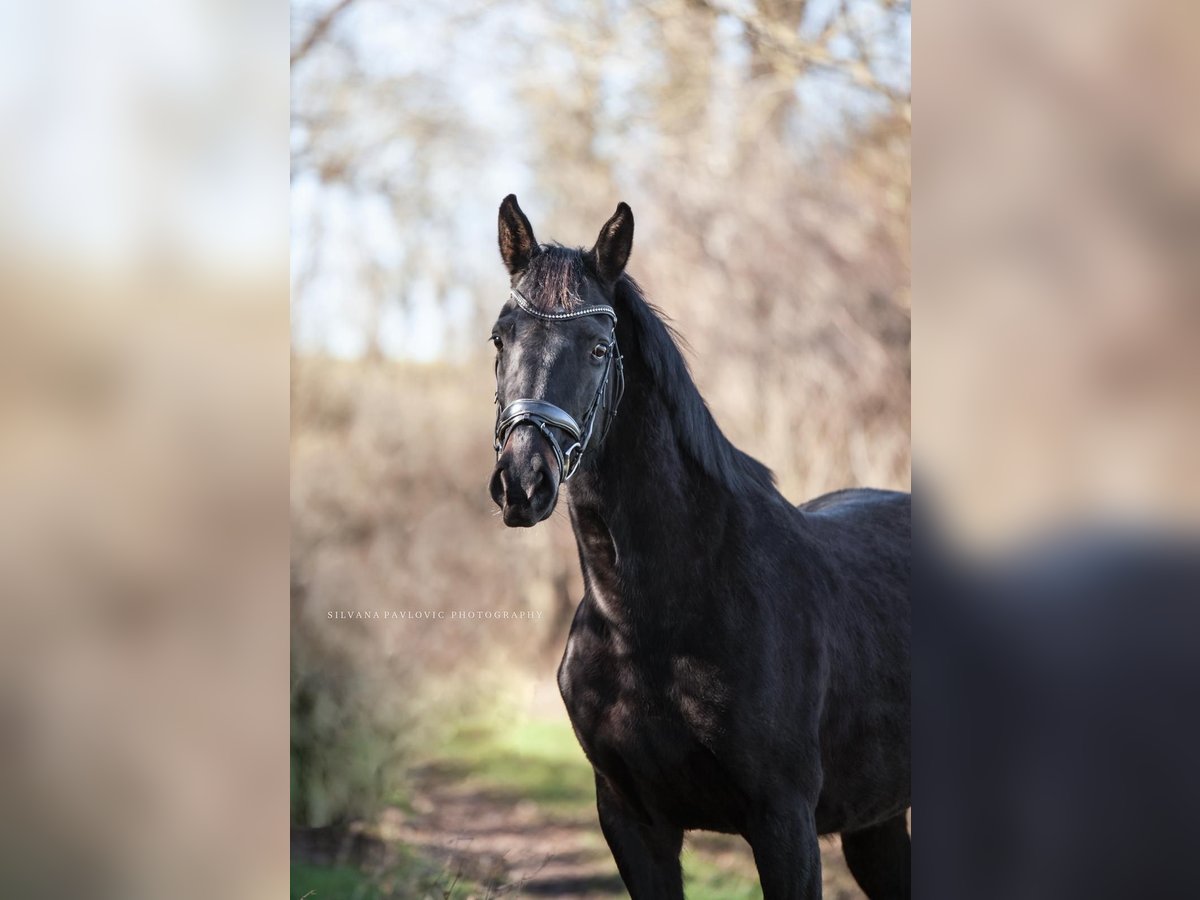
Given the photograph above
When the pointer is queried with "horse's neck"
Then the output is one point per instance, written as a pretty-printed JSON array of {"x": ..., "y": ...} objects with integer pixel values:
[{"x": 645, "y": 520}]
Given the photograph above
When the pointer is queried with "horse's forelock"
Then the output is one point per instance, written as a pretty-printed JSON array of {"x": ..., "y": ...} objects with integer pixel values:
[{"x": 554, "y": 279}]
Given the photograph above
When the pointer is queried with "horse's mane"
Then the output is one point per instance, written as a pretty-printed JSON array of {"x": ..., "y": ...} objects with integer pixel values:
[{"x": 702, "y": 439}]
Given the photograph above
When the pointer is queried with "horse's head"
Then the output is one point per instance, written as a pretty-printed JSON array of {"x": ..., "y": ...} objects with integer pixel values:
[{"x": 558, "y": 368}]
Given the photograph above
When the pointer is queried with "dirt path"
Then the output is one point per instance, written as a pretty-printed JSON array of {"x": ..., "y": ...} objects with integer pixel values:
[
  {"x": 517, "y": 849},
  {"x": 514, "y": 847}
]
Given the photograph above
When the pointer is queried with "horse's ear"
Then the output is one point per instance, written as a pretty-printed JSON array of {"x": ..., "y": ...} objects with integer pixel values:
[
  {"x": 614, "y": 243},
  {"x": 517, "y": 243}
]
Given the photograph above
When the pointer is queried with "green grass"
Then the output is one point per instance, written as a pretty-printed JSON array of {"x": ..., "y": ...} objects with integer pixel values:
[
  {"x": 704, "y": 880},
  {"x": 410, "y": 878},
  {"x": 534, "y": 760},
  {"x": 330, "y": 883}
]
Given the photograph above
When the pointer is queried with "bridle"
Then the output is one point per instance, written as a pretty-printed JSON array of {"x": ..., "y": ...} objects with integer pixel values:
[{"x": 543, "y": 415}]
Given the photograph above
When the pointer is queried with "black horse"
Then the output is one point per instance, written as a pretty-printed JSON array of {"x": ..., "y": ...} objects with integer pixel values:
[{"x": 737, "y": 663}]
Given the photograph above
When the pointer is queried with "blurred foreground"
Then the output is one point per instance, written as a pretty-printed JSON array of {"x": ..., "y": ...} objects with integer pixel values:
[{"x": 1056, "y": 390}]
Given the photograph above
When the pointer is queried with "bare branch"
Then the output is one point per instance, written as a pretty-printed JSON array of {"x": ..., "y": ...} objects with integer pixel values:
[
  {"x": 319, "y": 29},
  {"x": 793, "y": 55}
]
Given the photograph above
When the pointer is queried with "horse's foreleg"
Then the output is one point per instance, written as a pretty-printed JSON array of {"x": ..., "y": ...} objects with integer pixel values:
[
  {"x": 647, "y": 856},
  {"x": 787, "y": 854}
]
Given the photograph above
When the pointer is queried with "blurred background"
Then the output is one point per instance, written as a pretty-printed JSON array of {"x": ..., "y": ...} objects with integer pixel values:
[
  {"x": 764, "y": 147},
  {"x": 143, "y": 449},
  {"x": 1057, "y": 374}
]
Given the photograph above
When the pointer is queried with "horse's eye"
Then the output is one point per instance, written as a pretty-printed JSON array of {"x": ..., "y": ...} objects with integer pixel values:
[
  {"x": 600, "y": 351},
  {"x": 496, "y": 342}
]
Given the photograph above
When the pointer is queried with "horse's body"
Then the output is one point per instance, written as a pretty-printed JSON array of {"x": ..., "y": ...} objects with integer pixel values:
[{"x": 737, "y": 664}]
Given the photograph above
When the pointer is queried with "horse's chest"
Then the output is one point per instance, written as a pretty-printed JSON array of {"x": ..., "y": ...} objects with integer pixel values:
[{"x": 651, "y": 735}]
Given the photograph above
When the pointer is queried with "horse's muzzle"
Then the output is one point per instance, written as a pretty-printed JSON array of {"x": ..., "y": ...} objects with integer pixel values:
[{"x": 525, "y": 481}]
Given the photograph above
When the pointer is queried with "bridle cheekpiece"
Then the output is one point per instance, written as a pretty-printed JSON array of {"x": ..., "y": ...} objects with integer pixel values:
[{"x": 543, "y": 415}]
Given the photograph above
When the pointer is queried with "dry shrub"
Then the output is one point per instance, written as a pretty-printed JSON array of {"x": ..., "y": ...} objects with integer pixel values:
[{"x": 390, "y": 514}]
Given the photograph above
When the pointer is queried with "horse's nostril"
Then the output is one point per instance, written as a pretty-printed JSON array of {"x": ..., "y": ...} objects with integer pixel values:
[
  {"x": 534, "y": 478},
  {"x": 498, "y": 486},
  {"x": 515, "y": 488}
]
